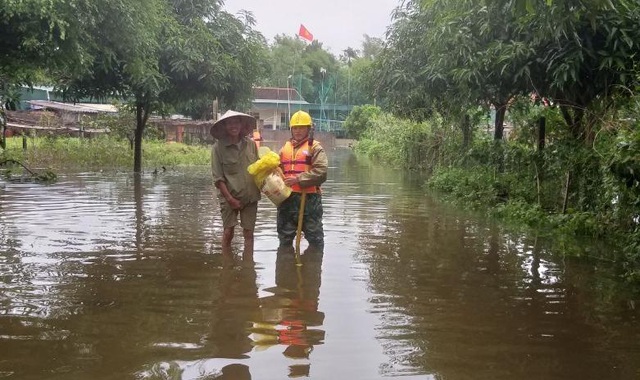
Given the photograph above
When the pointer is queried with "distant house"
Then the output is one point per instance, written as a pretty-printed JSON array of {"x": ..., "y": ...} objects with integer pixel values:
[
  {"x": 55, "y": 117},
  {"x": 37, "y": 93},
  {"x": 72, "y": 113},
  {"x": 272, "y": 106}
]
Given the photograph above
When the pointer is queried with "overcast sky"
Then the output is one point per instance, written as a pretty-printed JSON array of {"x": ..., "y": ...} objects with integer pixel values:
[{"x": 338, "y": 24}]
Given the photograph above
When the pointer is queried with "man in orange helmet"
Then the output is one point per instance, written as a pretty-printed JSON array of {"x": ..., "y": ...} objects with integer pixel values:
[{"x": 304, "y": 164}]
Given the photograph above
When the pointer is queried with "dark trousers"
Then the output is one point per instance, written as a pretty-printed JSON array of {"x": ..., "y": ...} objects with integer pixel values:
[{"x": 311, "y": 221}]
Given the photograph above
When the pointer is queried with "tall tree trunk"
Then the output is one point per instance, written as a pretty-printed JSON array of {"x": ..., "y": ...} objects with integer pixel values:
[
  {"x": 466, "y": 132},
  {"x": 142, "y": 115},
  {"x": 542, "y": 132},
  {"x": 498, "y": 131},
  {"x": 3, "y": 127},
  {"x": 565, "y": 200},
  {"x": 538, "y": 160}
]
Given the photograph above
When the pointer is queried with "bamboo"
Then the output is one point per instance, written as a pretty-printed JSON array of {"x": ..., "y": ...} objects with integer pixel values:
[{"x": 299, "y": 231}]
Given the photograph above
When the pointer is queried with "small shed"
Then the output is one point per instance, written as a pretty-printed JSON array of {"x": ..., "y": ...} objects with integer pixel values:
[
  {"x": 72, "y": 113},
  {"x": 184, "y": 130},
  {"x": 56, "y": 117}
]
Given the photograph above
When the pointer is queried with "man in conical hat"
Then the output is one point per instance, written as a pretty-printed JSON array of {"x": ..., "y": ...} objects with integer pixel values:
[{"x": 238, "y": 194}]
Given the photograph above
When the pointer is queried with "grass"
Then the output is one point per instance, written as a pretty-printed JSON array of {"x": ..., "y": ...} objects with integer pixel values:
[{"x": 101, "y": 153}]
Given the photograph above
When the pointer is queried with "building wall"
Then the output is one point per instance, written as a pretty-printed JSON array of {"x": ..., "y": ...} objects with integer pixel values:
[{"x": 271, "y": 118}]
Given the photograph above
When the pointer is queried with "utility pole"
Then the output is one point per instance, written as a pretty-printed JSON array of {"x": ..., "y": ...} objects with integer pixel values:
[{"x": 288, "y": 100}]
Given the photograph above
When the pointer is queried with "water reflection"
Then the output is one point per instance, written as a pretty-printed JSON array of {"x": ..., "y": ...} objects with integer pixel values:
[
  {"x": 236, "y": 307},
  {"x": 139, "y": 213},
  {"x": 290, "y": 316},
  {"x": 105, "y": 276},
  {"x": 234, "y": 371}
]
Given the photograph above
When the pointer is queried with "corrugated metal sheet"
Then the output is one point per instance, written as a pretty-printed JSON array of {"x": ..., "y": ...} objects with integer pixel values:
[
  {"x": 277, "y": 93},
  {"x": 73, "y": 107},
  {"x": 271, "y": 101}
]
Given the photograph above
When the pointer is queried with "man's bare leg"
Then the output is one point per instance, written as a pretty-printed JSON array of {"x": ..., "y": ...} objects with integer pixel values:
[{"x": 247, "y": 253}]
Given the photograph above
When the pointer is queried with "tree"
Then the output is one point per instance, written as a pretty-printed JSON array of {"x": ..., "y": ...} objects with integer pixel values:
[
  {"x": 322, "y": 64},
  {"x": 160, "y": 53},
  {"x": 360, "y": 119},
  {"x": 589, "y": 50},
  {"x": 349, "y": 54},
  {"x": 38, "y": 37},
  {"x": 246, "y": 61},
  {"x": 467, "y": 53},
  {"x": 306, "y": 67},
  {"x": 578, "y": 52},
  {"x": 371, "y": 47},
  {"x": 284, "y": 60}
]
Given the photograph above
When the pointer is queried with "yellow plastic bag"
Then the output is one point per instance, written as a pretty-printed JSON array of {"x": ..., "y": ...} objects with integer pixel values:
[
  {"x": 268, "y": 176},
  {"x": 260, "y": 169}
]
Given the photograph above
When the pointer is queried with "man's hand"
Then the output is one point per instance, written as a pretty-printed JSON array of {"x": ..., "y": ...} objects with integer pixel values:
[
  {"x": 234, "y": 203},
  {"x": 291, "y": 181}
]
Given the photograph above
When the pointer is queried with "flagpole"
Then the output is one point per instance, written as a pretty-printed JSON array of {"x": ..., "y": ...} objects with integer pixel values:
[
  {"x": 293, "y": 71},
  {"x": 303, "y": 33}
]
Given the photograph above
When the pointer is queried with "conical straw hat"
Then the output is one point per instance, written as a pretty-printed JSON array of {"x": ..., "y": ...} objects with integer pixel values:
[{"x": 248, "y": 125}]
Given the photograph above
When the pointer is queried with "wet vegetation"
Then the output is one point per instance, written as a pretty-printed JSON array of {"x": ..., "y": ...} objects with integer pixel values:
[
  {"x": 103, "y": 153},
  {"x": 567, "y": 188},
  {"x": 528, "y": 110}
]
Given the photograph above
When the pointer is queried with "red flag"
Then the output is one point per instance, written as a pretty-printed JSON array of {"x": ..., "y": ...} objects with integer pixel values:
[{"x": 305, "y": 34}]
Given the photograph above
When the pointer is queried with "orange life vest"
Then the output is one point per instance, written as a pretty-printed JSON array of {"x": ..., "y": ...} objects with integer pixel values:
[
  {"x": 257, "y": 137},
  {"x": 295, "y": 161}
]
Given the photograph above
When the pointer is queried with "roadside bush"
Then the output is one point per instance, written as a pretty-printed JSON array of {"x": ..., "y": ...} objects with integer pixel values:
[
  {"x": 408, "y": 144},
  {"x": 360, "y": 120},
  {"x": 475, "y": 188}
]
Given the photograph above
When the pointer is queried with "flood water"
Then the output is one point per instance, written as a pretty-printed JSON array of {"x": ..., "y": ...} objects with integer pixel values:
[{"x": 102, "y": 279}]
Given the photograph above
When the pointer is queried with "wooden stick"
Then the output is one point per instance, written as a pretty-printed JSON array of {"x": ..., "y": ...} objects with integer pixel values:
[{"x": 300, "y": 219}]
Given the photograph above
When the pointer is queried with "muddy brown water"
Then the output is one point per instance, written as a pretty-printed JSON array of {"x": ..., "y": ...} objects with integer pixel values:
[{"x": 102, "y": 279}]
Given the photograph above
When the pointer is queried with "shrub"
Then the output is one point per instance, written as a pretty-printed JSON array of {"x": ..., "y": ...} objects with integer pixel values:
[{"x": 361, "y": 119}]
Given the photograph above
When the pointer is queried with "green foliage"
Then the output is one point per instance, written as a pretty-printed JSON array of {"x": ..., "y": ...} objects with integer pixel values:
[
  {"x": 120, "y": 125},
  {"x": 158, "y": 55},
  {"x": 567, "y": 189},
  {"x": 521, "y": 213},
  {"x": 467, "y": 54},
  {"x": 307, "y": 67},
  {"x": 577, "y": 53},
  {"x": 402, "y": 143},
  {"x": 475, "y": 188},
  {"x": 176, "y": 154},
  {"x": 360, "y": 120},
  {"x": 318, "y": 75},
  {"x": 102, "y": 153}
]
